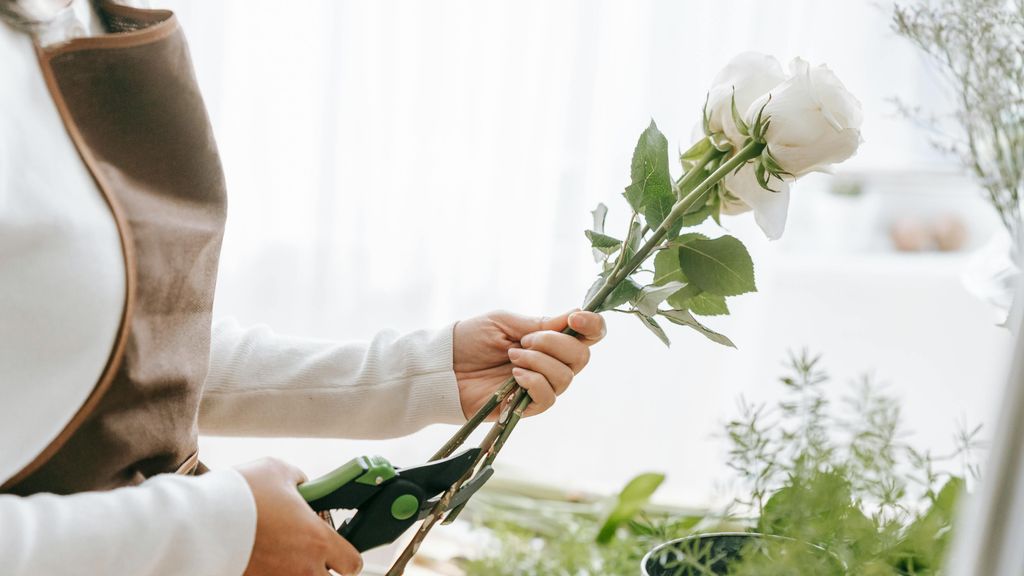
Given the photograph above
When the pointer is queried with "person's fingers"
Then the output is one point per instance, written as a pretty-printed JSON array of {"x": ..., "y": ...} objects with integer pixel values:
[
  {"x": 558, "y": 374},
  {"x": 556, "y": 323},
  {"x": 537, "y": 386},
  {"x": 342, "y": 556},
  {"x": 567, "y": 349},
  {"x": 518, "y": 325},
  {"x": 588, "y": 325}
]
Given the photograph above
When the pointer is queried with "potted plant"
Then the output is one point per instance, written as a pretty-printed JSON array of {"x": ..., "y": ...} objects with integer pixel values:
[{"x": 822, "y": 493}]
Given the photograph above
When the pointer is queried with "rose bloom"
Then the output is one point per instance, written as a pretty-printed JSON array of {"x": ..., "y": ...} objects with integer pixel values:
[
  {"x": 815, "y": 120},
  {"x": 749, "y": 76}
]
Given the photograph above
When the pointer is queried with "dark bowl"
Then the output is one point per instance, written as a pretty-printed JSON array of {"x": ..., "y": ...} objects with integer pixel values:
[{"x": 717, "y": 552}]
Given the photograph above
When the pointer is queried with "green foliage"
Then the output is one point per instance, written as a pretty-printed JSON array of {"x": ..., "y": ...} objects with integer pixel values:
[
  {"x": 835, "y": 483},
  {"x": 603, "y": 243},
  {"x": 699, "y": 302},
  {"x": 651, "y": 324},
  {"x": 692, "y": 273},
  {"x": 666, "y": 268},
  {"x": 625, "y": 292},
  {"x": 684, "y": 318},
  {"x": 721, "y": 266},
  {"x": 632, "y": 498},
  {"x": 650, "y": 188},
  {"x": 548, "y": 537},
  {"x": 839, "y": 479}
]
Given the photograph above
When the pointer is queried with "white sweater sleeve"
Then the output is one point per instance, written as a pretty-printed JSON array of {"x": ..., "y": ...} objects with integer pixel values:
[
  {"x": 265, "y": 384},
  {"x": 167, "y": 526}
]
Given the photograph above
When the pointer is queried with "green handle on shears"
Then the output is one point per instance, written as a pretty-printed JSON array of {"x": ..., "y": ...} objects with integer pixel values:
[{"x": 365, "y": 470}]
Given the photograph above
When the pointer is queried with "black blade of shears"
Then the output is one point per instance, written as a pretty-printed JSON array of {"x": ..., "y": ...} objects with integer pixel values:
[
  {"x": 462, "y": 496},
  {"x": 438, "y": 476}
]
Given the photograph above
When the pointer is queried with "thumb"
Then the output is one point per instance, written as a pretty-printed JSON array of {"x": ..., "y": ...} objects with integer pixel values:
[
  {"x": 518, "y": 325},
  {"x": 555, "y": 323}
]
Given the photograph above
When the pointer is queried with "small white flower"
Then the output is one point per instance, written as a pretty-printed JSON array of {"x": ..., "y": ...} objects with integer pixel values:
[
  {"x": 814, "y": 120},
  {"x": 770, "y": 208},
  {"x": 751, "y": 75}
]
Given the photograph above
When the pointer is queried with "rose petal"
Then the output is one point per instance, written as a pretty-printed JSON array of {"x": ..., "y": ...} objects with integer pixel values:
[{"x": 770, "y": 208}]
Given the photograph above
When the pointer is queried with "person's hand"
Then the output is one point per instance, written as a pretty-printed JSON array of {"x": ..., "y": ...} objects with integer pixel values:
[
  {"x": 291, "y": 540},
  {"x": 488, "y": 349}
]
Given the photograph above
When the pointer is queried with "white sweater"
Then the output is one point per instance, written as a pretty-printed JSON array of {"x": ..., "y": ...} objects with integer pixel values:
[{"x": 61, "y": 293}]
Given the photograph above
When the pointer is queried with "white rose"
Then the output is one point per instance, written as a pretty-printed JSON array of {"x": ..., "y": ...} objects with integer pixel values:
[
  {"x": 815, "y": 120},
  {"x": 752, "y": 75},
  {"x": 743, "y": 193}
]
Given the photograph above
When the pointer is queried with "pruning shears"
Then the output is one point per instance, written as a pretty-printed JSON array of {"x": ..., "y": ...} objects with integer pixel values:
[{"x": 388, "y": 500}]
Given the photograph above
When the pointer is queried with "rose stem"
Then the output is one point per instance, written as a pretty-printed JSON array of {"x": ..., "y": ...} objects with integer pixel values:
[
  {"x": 495, "y": 432},
  {"x": 506, "y": 389},
  {"x": 520, "y": 400},
  {"x": 501, "y": 430}
]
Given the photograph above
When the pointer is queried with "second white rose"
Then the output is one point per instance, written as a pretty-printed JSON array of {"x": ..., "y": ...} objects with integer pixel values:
[{"x": 814, "y": 120}]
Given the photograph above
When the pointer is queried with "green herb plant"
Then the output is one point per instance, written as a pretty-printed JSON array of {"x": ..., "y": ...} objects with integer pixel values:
[
  {"x": 835, "y": 480},
  {"x": 842, "y": 478}
]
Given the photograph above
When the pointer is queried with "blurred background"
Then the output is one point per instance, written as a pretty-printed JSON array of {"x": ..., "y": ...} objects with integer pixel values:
[{"x": 402, "y": 164}]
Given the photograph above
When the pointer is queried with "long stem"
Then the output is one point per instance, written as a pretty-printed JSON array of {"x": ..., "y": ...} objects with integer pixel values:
[
  {"x": 496, "y": 438},
  {"x": 486, "y": 447},
  {"x": 460, "y": 436},
  {"x": 504, "y": 392}
]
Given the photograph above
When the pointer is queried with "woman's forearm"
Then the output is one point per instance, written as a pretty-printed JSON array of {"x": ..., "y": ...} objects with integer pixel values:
[{"x": 266, "y": 384}]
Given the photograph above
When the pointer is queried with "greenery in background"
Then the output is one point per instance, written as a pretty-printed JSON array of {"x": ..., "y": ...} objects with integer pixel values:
[
  {"x": 842, "y": 478},
  {"x": 978, "y": 46},
  {"x": 558, "y": 538},
  {"x": 836, "y": 475}
]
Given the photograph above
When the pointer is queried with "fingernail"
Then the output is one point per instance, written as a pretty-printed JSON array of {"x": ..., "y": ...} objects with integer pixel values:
[
  {"x": 526, "y": 341},
  {"x": 517, "y": 372},
  {"x": 514, "y": 353}
]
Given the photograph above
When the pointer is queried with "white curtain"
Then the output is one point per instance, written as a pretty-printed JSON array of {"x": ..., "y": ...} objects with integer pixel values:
[{"x": 403, "y": 164}]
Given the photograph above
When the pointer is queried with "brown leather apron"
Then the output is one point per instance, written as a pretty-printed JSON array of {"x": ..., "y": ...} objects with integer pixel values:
[{"x": 130, "y": 103}]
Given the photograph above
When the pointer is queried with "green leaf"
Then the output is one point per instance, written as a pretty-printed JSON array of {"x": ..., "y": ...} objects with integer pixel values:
[
  {"x": 715, "y": 203},
  {"x": 650, "y": 189},
  {"x": 686, "y": 239},
  {"x": 666, "y": 267},
  {"x": 658, "y": 208},
  {"x": 692, "y": 298},
  {"x": 603, "y": 242},
  {"x": 626, "y": 291},
  {"x": 632, "y": 499},
  {"x": 595, "y": 287},
  {"x": 946, "y": 501},
  {"x": 653, "y": 326},
  {"x": 684, "y": 318},
  {"x": 698, "y": 216},
  {"x": 651, "y": 296},
  {"x": 721, "y": 266},
  {"x": 695, "y": 153}
]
